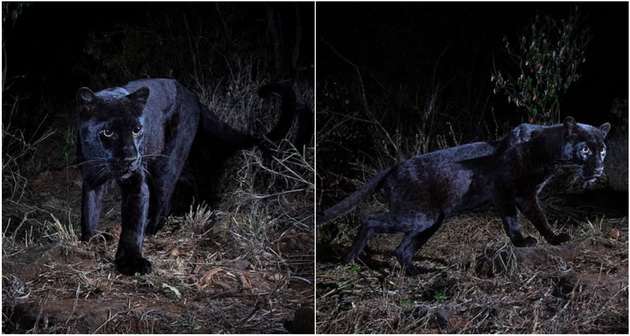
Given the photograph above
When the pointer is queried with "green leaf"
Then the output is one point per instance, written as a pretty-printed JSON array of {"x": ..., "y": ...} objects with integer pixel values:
[
  {"x": 406, "y": 302},
  {"x": 172, "y": 288}
]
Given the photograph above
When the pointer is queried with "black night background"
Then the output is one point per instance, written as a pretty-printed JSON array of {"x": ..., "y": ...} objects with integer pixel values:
[
  {"x": 52, "y": 49},
  {"x": 456, "y": 45}
]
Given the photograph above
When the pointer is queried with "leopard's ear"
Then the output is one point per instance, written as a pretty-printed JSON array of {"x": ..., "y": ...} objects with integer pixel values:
[
  {"x": 570, "y": 126},
  {"x": 605, "y": 128},
  {"x": 86, "y": 99},
  {"x": 140, "y": 96}
]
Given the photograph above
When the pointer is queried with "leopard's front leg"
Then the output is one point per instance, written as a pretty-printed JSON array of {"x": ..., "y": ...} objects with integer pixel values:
[{"x": 135, "y": 207}]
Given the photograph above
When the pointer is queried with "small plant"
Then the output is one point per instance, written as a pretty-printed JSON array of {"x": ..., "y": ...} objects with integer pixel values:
[
  {"x": 440, "y": 297},
  {"x": 594, "y": 227},
  {"x": 149, "y": 282},
  {"x": 57, "y": 231},
  {"x": 12, "y": 11},
  {"x": 69, "y": 145},
  {"x": 188, "y": 322},
  {"x": 198, "y": 216},
  {"x": 619, "y": 109},
  {"x": 405, "y": 303},
  {"x": 548, "y": 56}
]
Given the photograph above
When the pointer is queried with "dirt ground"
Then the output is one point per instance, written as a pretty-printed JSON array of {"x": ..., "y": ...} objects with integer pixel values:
[
  {"x": 478, "y": 283},
  {"x": 214, "y": 270}
]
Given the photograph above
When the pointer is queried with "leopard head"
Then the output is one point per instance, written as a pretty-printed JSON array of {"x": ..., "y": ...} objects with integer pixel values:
[
  {"x": 110, "y": 132},
  {"x": 584, "y": 148}
]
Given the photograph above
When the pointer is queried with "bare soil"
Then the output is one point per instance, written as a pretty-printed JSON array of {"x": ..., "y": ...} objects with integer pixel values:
[
  {"x": 211, "y": 272},
  {"x": 476, "y": 282}
]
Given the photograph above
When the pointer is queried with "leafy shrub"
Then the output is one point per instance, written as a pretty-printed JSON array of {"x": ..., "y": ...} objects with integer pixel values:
[{"x": 548, "y": 55}]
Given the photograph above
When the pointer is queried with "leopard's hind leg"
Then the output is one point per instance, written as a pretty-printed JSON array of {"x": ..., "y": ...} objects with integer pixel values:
[
  {"x": 418, "y": 230},
  {"x": 421, "y": 229},
  {"x": 372, "y": 224}
]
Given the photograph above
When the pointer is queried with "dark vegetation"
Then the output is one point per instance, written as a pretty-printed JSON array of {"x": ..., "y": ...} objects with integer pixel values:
[
  {"x": 243, "y": 264},
  {"x": 403, "y": 79}
]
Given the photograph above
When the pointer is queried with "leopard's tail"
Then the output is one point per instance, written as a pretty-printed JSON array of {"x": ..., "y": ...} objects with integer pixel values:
[
  {"x": 289, "y": 112},
  {"x": 351, "y": 202},
  {"x": 293, "y": 111}
]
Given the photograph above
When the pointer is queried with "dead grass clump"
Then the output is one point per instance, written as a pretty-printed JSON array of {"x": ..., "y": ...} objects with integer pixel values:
[
  {"x": 268, "y": 214},
  {"x": 59, "y": 232},
  {"x": 496, "y": 260},
  {"x": 18, "y": 149}
]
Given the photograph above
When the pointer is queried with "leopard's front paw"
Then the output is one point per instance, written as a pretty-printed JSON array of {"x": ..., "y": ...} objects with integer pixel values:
[
  {"x": 530, "y": 241},
  {"x": 348, "y": 259},
  {"x": 131, "y": 266}
]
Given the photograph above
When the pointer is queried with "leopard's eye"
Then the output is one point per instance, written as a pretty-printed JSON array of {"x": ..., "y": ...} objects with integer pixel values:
[
  {"x": 107, "y": 132},
  {"x": 585, "y": 150},
  {"x": 137, "y": 131},
  {"x": 603, "y": 152}
]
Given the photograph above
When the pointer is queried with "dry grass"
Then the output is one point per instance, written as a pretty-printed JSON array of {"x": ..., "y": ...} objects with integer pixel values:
[
  {"x": 479, "y": 283},
  {"x": 245, "y": 269}
]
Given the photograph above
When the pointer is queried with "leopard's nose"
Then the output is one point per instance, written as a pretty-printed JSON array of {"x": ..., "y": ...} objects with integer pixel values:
[
  {"x": 599, "y": 171},
  {"x": 129, "y": 161}
]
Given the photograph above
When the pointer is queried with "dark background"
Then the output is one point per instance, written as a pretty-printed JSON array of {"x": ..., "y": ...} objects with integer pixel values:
[
  {"x": 52, "y": 49},
  {"x": 408, "y": 57},
  {"x": 407, "y": 43}
]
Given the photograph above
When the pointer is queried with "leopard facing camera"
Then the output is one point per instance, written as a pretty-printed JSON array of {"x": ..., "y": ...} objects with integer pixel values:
[{"x": 141, "y": 135}]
